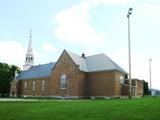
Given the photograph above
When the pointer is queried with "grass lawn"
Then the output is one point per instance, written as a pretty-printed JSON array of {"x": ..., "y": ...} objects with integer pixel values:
[{"x": 122, "y": 109}]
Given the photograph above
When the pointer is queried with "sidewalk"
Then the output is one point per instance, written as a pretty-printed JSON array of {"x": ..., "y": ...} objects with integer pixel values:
[{"x": 17, "y": 99}]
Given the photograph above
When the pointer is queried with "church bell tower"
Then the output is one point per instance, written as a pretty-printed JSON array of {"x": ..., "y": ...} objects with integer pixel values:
[{"x": 29, "y": 59}]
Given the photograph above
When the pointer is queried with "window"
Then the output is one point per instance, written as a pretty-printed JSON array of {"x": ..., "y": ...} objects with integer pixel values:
[
  {"x": 25, "y": 85},
  {"x": 43, "y": 85},
  {"x": 33, "y": 85},
  {"x": 27, "y": 59},
  {"x": 121, "y": 79},
  {"x": 63, "y": 81}
]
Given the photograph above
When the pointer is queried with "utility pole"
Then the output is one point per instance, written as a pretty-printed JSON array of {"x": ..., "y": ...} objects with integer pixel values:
[{"x": 150, "y": 75}]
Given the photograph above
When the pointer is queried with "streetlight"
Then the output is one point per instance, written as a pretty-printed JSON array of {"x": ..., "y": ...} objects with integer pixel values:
[
  {"x": 150, "y": 77},
  {"x": 129, "y": 53}
]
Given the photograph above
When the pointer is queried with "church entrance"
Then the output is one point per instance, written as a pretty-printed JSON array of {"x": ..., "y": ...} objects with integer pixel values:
[{"x": 12, "y": 93}]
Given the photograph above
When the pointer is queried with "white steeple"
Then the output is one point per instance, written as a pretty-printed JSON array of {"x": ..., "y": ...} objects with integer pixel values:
[{"x": 29, "y": 60}]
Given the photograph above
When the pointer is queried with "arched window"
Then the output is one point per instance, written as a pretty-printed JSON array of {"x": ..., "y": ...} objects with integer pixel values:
[{"x": 63, "y": 81}]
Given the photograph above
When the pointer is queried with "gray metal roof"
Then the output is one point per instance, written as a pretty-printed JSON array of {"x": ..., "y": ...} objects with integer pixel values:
[
  {"x": 99, "y": 62},
  {"x": 36, "y": 71},
  {"x": 92, "y": 63}
]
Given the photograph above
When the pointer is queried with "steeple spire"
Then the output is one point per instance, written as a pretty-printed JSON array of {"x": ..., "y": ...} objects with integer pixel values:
[
  {"x": 29, "y": 50},
  {"x": 29, "y": 60}
]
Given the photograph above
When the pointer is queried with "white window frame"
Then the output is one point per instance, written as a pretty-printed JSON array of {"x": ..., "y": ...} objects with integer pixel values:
[{"x": 63, "y": 81}]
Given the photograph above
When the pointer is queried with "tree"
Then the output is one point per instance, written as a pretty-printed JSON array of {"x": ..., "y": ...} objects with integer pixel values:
[
  {"x": 6, "y": 76},
  {"x": 146, "y": 90}
]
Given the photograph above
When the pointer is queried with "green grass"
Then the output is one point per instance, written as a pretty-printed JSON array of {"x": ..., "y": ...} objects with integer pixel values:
[{"x": 122, "y": 109}]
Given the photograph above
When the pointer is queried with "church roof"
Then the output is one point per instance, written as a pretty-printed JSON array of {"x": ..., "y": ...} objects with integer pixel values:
[
  {"x": 101, "y": 62},
  {"x": 94, "y": 63},
  {"x": 37, "y": 71}
]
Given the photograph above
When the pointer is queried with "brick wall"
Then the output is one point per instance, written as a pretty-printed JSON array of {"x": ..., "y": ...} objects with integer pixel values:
[
  {"x": 101, "y": 83},
  {"x": 28, "y": 91},
  {"x": 13, "y": 88},
  {"x": 65, "y": 65},
  {"x": 118, "y": 85},
  {"x": 139, "y": 87}
]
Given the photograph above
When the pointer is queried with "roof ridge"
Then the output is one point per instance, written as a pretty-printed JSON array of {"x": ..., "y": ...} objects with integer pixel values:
[
  {"x": 85, "y": 56},
  {"x": 95, "y": 55},
  {"x": 72, "y": 53}
]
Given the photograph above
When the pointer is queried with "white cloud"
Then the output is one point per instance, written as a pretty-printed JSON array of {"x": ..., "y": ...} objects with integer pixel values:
[
  {"x": 72, "y": 26},
  {"x": 49, "y": 47},
  {"x": 12, "y": 52},
  {"x": 108, "y": 2}
]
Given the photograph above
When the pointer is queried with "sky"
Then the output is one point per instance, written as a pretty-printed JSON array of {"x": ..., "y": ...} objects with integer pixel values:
[{"x": 83, "y": 26}]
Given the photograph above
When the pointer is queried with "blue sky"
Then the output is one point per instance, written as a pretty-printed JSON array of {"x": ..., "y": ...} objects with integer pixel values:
[{"x": 89, "y": 26}]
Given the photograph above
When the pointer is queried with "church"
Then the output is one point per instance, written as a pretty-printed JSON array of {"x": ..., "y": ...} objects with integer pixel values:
[{"x": 73, "y": 76}]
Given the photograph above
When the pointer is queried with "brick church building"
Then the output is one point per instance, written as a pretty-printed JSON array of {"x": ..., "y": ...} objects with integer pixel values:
[{"x": 73, "y": 76}]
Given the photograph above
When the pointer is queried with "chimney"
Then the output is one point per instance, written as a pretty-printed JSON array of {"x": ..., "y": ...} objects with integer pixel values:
[{"x": 83, "y": 55}]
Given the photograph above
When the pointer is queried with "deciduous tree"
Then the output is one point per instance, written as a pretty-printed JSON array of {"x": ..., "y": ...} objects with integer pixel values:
[
  {"x": 146, "y": 90},
  {"x": 6, "y": 76}
]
